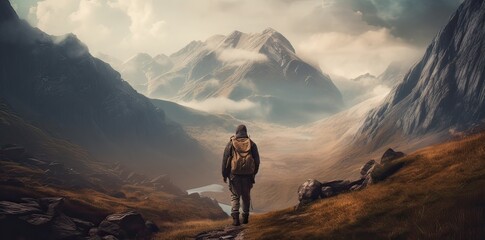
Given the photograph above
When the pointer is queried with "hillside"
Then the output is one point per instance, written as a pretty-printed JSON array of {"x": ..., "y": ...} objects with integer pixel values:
[
  {"x": 57, "y": 85},
  {"x": 35, "y": 165},
  {"x": 438, "y": 194}
]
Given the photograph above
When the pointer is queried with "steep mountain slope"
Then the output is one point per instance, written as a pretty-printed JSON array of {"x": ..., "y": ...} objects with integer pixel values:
[
  {"x": 261, "y": 67},
  {"x": 54, "y": 83},
  {"x": 141, "y": 68},
  {"x": 438, "y": 194},
  {"x": 442, "y": 93}
]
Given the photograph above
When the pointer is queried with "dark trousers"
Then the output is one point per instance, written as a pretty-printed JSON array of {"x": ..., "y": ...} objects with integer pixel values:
[{"x": 240, "y": 187}]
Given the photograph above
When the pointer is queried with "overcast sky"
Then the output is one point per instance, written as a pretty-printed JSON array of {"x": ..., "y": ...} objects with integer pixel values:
[{"x": 344, "y": 37}]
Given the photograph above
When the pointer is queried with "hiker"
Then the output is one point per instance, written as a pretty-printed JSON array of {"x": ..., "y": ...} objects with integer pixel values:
[{"x": 240, "y": 164}]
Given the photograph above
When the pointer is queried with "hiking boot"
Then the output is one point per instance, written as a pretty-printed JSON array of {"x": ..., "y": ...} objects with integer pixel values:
[
  {"x": 235, "y": 218},
  {"x": 245, "y": 218}
]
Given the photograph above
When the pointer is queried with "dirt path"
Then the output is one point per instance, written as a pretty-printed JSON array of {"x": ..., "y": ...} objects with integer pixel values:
[{"x": 229, "y": 232}]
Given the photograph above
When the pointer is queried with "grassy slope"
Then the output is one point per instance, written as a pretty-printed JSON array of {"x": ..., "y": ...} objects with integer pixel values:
[
  {"x": 439, "y": 194},
  {"x": 167, "y": 210}
]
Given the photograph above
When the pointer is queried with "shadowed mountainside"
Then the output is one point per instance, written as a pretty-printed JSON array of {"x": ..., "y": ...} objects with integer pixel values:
[
  {"x": 444, "y": 92},
  {"x": 55, "y": 83}
]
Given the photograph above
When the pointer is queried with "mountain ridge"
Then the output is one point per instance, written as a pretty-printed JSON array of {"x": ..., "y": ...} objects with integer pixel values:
[
  {"x": 445, "y": 90},
  {"x": 55, "y": 83}
]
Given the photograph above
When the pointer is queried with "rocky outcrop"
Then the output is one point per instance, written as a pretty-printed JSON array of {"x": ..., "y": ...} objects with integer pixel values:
[
  {"x": 44, "y": 218},
  {"x": 441, "y": 94},
  {"x": 390, "y": 155},
  {"x": 309, "y": 191},
  {"x": 371, "y": 172}
]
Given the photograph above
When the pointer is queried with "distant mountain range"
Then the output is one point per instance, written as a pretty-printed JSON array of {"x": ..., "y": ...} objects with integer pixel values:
[
  {"x": 262, "y": 68},
  {"x": 444, "y": 92},
  {"x": 56, "y": 85}
]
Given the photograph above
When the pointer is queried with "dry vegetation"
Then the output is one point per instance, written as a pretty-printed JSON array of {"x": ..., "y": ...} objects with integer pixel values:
[
  {"x": 169, "y": 212},
  {"x": 438, "y": 194}
]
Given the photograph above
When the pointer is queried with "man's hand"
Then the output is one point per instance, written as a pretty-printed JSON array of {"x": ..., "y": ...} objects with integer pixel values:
[{"x": 224, "y": 179}]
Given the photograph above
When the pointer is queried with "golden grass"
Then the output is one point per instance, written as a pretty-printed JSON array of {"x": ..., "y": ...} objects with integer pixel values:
[
  {"x": 166, "y": 210},
  {"x": 189, "y": 230},
  {"x": 438, "y": 194}
]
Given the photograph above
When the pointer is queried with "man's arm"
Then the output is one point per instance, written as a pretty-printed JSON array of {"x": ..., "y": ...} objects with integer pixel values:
[
  {"x": 255, "y": 153},
  {"x": 225, "y": 158}
]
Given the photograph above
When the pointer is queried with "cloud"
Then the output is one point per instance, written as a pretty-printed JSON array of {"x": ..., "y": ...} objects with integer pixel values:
[
  {"x": 356, "y": 91},
  {"x": 237, "y": 56},
  {"x": 222, "y": 105},
  {"x": 122, "y": 28},
  {"x": 416, "y": 21},
  {"x": 351, "y": 55}
]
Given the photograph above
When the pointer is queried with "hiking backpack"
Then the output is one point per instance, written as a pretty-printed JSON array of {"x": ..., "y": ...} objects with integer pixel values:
[{"x": 242, "y": 162}]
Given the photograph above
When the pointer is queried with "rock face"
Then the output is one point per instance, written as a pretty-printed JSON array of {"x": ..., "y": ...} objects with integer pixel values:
[
  {"x": 442, "y": 92},
  {"x": 55, "y": 83},
  {"x": 141, "y": 68},
  {"x": 260, "y": 67}
]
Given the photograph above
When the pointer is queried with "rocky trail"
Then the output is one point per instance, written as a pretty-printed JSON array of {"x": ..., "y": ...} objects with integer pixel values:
[{"x": 228, "y": 232}]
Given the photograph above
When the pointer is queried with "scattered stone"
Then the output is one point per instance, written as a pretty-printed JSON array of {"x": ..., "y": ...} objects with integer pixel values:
[
  {"x": 326, "y": 192},
  {"x": 109, "y": 237},
  {"x": 64, "y": 228},
  {"x": 309, "y": 191},
  {"x": 11, "y": 208},
  {"x": 106, "y": 228},
  {"x": 366, "y": 167},
  {"x": 131, "y": 222},
  {"x": 118, "y": 194},
  {"x": 390, "y": 155},
  {"x": 151, "y": 227},
  {"x": 371, "y": 172}
]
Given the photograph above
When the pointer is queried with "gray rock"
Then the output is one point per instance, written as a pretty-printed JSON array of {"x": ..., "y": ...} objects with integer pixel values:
[
  {"x": 151, "y": 227},
  {"x": 326, "y": 192},
  {"x": 366, "y": 167},
  {"x": 37, "y": 219},
  {"x": 338, "y": 186},
  {"x": 11, "y": 208},
  {"x": 106, "y": 228},
  {"x": 131, "y": 222},
  {"x": 110, "y": 237},
  {"x": 63, "y": 227},
  {"x": 390, "y": 155},
  {"x": 309, "y": 191}
]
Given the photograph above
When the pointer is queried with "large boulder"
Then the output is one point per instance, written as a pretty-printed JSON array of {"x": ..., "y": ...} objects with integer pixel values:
[
  {"x": 309, "y": 191},
  {"x": 390, "y": 155},
  {"x": 131, "y": 222}
]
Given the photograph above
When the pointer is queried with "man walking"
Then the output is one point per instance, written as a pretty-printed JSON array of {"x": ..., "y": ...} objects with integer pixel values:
[{"x": 240, "y": 164}]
